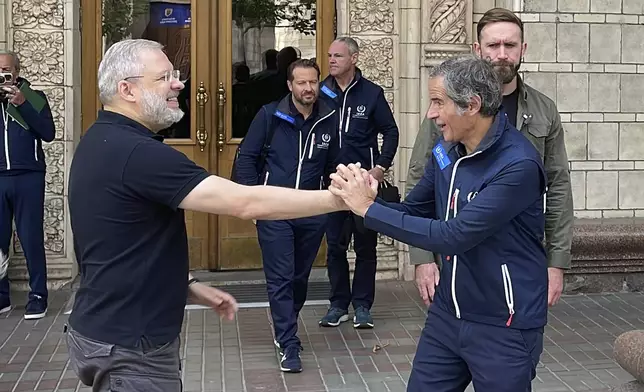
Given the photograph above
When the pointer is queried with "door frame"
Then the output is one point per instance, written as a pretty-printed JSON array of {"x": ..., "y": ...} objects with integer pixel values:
[{"x": 217, "y": 81}]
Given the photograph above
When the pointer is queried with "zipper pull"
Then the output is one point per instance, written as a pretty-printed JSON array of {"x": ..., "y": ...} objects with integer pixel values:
[{"x": 346, "y": 128}]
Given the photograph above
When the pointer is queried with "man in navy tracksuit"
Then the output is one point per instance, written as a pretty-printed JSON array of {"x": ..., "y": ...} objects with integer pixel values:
[
  {"x": 363, "y": 113},
  {"x": 27, "y": 122},
  {"x": 480, "y": 204},
  {"x": 301, "y": 155}
]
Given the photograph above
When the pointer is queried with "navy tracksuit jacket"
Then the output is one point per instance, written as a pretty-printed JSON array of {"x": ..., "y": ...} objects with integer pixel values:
[
  {"x": 301, "y": 156},
  {"x": 22, "y": 188},
  {"x": 484, "y": 213},
  {"x": 363, "y": 113}
]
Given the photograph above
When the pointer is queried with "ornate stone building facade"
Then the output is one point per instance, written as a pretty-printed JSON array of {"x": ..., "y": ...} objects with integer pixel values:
[{"x": 587, "y": 55}]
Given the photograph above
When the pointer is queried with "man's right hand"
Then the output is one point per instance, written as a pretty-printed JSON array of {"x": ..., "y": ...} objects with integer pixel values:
[{"x": 427, "y": 277}]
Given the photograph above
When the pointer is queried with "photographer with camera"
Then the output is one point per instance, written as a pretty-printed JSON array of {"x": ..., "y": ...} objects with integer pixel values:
[{"x": 26, "y": 123}]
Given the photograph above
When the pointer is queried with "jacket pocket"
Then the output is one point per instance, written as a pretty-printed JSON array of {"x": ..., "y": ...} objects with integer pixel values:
[
  {"x": 537, "y": 134},
  {"x": 509, "y": 292}
]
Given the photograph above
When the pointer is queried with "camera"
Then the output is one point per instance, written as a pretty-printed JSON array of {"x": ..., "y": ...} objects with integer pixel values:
[{"x": 6, "y": 79}]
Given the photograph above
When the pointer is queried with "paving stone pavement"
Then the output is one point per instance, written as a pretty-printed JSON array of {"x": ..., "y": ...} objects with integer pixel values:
[{"x": 239, "y": 356}]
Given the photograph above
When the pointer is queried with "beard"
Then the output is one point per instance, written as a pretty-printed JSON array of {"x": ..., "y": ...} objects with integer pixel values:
[
  {"x": 155, "y": 110},
  {"x": 506, "y": 71},
  {"x": 305, "y": 101}
]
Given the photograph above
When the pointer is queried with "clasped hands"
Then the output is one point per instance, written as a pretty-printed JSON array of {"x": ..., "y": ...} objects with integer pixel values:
[{"x": 355, "y": 186}]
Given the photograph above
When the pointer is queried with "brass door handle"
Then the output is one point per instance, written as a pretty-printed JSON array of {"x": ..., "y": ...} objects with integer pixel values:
[
  {"x": 202, "y": 133},
  {"x": 221, "y": 117}
]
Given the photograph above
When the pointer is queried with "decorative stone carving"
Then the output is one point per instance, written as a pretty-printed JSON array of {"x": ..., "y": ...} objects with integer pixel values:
[
  {"x": 448, "y": 21},
  {"x": 54, "y": 225},
  {"x": 31, "y": 13},
  {"x": 376, "y": 60},
  {"x": 56, "y": 99},
  {"x": 449, "y": 33},
  {"x": 53, "y": 228},
  {"x": 41, "y": 55},
  {"x": 371, "y": 15},
  {"x": 435, "y": 54},
  {"x": 55, "y": 161},
  {"x": 389, "y": 96}
]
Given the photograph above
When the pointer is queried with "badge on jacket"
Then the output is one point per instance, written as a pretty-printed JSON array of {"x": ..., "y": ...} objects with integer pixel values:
[{"x": 441, "y": 156}]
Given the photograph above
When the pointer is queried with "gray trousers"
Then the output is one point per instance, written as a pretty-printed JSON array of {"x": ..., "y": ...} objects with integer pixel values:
[{"x": 111, "y": 368}]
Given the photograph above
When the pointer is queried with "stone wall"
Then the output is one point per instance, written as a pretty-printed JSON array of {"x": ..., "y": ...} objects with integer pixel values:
[
  {"x": 375, "y": 26},
  {"x": 46, "y": 36},
  {"x": 588, "y": 56}
]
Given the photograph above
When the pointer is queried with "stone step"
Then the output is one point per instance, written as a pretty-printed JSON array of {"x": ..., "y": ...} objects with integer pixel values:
[{"x": 58, "y": 275}]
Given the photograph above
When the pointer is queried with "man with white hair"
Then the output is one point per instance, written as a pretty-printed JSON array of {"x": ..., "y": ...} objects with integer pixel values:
[
  {"x": 27, "y": 124},
  {"x": 127, "y": 194}
]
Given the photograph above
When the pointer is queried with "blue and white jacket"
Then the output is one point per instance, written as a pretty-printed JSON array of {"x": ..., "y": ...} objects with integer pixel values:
[
  {"x": 302, "y": 152},
  {"x": 21, "y": 149},
  {"x": 484, "y": 213},
  {"x": 363, "y": 113}
]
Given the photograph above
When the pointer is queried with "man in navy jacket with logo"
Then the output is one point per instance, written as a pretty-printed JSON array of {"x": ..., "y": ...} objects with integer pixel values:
[
  {"x": 480, "y": 204},
  {"x": 363, "y": 113},
  {"x": 301, "y": 155},
  {"x": 27, "y": 122}
]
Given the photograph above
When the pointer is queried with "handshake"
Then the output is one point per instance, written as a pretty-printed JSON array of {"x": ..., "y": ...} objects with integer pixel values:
[{"x": 356, "y": 186}]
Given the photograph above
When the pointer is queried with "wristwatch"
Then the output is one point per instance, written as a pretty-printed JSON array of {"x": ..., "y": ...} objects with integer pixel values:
[
  {"x": 191, "y": 281},
  {"x": 381, "y": 168}
]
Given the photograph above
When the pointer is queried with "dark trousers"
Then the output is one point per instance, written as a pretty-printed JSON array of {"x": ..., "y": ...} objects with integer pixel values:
[
  {"x": 289, "y": 248},
  {"x": 451, "y": 353},
  {"x": 23, "y": 196},
  {"x": 108, "y": 367},
  {"x": 340, "y": 227}
]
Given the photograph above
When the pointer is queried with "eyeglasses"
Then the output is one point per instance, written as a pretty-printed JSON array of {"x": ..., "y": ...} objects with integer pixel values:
[{"x": 167, "y": 76}]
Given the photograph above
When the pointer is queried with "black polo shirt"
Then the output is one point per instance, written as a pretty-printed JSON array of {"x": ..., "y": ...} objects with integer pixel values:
[{"x": 125, "y": 186}]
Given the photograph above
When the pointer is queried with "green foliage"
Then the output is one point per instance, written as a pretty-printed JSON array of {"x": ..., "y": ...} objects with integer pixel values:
[
  {"x": 300, "y": 15},
  {"x": 118, "y": 16}
]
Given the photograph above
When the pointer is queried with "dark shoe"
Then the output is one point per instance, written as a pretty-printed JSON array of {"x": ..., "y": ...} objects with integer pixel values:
[
  {"x": 36, "y": 307},
  {"x": 362, "y": 318},
  {"x": 334, "y": 317},
  {"x": 5, "y": 304},
  {"x": 291, "y": 361}
]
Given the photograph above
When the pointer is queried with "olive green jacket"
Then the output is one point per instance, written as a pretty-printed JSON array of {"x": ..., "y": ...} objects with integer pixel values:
[{"x": 539, "y": 120}]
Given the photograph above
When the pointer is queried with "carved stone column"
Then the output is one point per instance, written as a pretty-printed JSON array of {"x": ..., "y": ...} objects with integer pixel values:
[
  {"x": 43, "y": 33},
  {"x": 374, "y": 25},
  {"x": 447, "y": 32}
]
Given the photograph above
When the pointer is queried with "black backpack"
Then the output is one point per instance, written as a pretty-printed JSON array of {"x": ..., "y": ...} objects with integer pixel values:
[{"x": 261, "y": 160}]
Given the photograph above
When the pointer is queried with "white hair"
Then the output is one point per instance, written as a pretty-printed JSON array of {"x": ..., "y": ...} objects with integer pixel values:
[
  {"x": 14, "y": 55},
  {"x": 122, "y": 60},
  {"x": 351, "y": 43}
]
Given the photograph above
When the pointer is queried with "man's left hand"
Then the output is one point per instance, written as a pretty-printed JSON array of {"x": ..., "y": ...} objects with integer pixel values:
[
  {"x": 220, "y": 301},
  {"x": 355, "y": 186},
  {"x": 378, "y": 174},
  {"x": 14, "y": 95},
  {"x": 555, "y": 285}
]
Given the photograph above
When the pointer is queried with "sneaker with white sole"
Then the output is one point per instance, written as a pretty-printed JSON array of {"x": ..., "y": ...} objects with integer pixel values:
[
  {"x": 291, "y": 361},
  {"x": 334, "y": 317},
  {"x": 5, "y": 305},
  {"x": 36, "y": 307}
]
